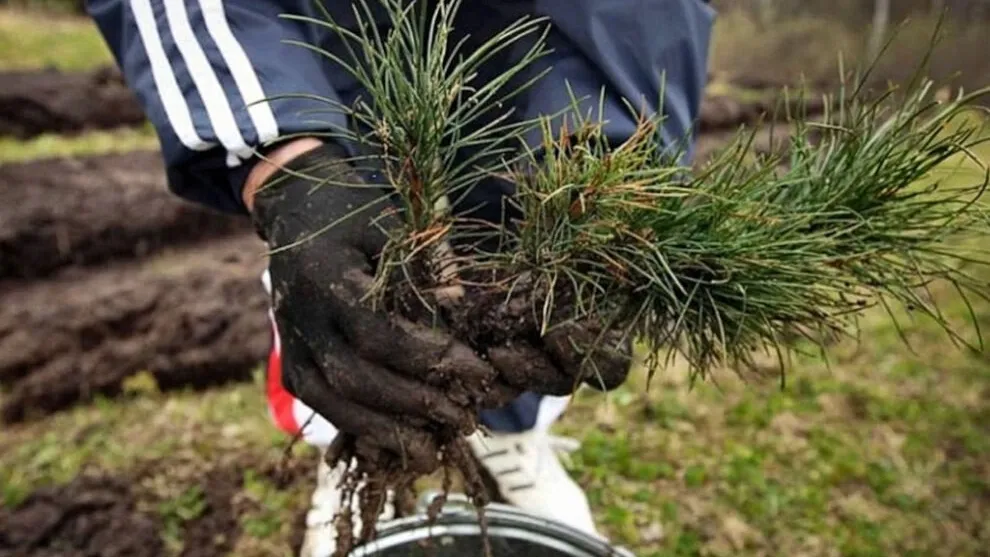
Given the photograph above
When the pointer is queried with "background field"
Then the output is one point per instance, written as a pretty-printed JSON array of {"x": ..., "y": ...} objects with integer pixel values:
[{"x": 131, "y": 344}]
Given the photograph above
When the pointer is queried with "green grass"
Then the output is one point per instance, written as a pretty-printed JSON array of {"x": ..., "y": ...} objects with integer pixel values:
[
  {"x": 91, "y": 143},
  {"x": 168, "y": 444},
  {"x": 32, "y": 40}
]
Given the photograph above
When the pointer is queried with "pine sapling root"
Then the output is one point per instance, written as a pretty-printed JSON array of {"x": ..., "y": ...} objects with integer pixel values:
[
  {"x": 370, "y": 481},
  {"x": 484, "y": 322}
]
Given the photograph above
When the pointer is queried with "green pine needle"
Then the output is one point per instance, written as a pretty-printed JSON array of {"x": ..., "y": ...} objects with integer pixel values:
[{"x": 738, "y": 257}]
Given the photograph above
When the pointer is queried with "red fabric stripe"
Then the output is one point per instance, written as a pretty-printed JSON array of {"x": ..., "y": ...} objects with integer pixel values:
[{"x": 280, "y": 401}]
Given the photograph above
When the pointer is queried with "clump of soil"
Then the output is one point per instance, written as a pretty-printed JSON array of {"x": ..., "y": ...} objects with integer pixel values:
[
  {"x": 487, "y": 323},
  {"x": 192, "y": 318},
  {"x": 89, "y": 517},
  {"x": 61, "y": 212},
  {"x": 34, "y": 102}
]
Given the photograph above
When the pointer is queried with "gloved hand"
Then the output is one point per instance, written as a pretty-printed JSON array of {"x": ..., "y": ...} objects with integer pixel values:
[
  {"x": 559, "y": 363},
  {"x": 376, "y": 376}
]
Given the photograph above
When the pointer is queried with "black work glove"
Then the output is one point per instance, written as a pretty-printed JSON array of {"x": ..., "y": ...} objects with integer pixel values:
[
  {"x": 557, "y": 363},
  {"x": 373, "y": 375},
  {"x": 560, "y": 362}
]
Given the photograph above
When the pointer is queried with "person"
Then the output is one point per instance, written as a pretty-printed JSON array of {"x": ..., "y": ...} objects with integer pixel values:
[{"x": 216, "y": 78}]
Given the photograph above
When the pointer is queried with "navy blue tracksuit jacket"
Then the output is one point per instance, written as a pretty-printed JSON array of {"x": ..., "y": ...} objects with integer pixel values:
[{"x": 199, "y": 67}]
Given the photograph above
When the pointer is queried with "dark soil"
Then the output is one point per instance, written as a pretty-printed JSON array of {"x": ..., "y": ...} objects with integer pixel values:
[
  {"x": 33, "y": 102},
  {"x": 89, "y": 517},
  {"x": 60, "y": 212},
  {"x": 192, "y": 318},
  {"x": 720, "y": 112},
  {"x": 214, "y": 533},
  {"x": 99, "y": 516}
]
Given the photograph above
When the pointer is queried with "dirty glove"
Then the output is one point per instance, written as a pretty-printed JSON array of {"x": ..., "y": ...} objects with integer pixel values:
[
  {"x": 559, "y": 362},
  {"x": 375, "y": 376}
]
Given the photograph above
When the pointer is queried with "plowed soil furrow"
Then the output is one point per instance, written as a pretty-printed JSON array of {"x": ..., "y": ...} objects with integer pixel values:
[
  {"x": 719, "y": 112},
  {"x": 89, "y": 516},
  {"x": 50, "y": 101},
  {"x": 61, "y": 212},
  {"x": 196, "y": 317}
]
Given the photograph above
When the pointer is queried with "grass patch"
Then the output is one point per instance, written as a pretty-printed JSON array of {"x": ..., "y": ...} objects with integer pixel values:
[
  {"x": 91, "y": 143},
  {"x": 39, "y": 40},
  {"x": 879, "y": 451},
  {"x": 170, "y": 443}
]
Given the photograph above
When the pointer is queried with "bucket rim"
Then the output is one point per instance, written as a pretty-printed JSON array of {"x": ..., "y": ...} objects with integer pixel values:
[
  {"x": 544, "y": 539},
  {"x": 458, "y": 518}
]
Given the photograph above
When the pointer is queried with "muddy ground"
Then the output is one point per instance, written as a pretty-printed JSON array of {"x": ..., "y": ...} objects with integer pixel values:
[
  {"x": 49, "y": 101},
  {"x": 33, "y": 102},
  {"x": 57, "y": 213},
  {"x": 121, "y": 515},
  {"x": 104, "y": 274},
  {"x": 89, "y": 516}
]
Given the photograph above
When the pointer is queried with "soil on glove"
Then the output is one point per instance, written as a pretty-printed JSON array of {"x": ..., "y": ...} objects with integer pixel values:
[
  {"x": 89, "y": 517},
  {"x": 196, "y": 317},
  {"x": 50, "y": 101},
  {"x": 60, "y": 212}
]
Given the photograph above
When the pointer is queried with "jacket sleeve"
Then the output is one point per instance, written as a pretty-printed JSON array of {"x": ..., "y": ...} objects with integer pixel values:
[
  {"x": 650, "y": 53},
  {"x": 199, "y": 69}
]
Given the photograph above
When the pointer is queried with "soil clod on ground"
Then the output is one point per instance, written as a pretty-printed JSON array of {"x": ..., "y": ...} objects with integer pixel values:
[
  {"x": 192, "y": 318},
  {"x": 60, "y": 212},
  {"x": 89, "y": 517},
  {"x": 33, "y": 102}
]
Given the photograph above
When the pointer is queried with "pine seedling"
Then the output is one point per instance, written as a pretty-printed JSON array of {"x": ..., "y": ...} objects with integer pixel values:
[
  {"x": 733, "y": 259},
  {"x": 715, "y": 264},
  {"x": 426, "y": 122}
]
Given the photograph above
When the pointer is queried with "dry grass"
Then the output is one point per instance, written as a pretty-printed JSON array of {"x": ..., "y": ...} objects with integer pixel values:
[
  {"x": 28, "y": 40},
  {"x": 808, "y": 48}
]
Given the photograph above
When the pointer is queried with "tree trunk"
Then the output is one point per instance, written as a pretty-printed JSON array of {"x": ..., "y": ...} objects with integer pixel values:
[{"x": 766, "y": 9}]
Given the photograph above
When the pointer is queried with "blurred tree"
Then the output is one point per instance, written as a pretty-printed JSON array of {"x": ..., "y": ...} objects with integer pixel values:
[{"x": 878, "y": 32}]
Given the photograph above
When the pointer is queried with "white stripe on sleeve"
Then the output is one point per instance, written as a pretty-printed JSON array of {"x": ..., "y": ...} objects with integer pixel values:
[
  {"x": 207, "y": 83},
  {"x": 176, "y": 109},
  {"x": 241, "y": 68}
]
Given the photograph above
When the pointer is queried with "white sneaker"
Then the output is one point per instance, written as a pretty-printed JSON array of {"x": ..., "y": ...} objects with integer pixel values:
[
  {"x": 529, "y": 476},
  {"x": 321, "y": 533}
]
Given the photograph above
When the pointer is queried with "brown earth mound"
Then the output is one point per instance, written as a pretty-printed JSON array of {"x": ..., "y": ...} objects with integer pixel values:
[
  {"x": 100, "y": 516},
  {"x": 192, "y": 318},
  {"x": 723, "y": 112},
  {"x": 33, "y": 102},
  {"x": 49, "y": 101},
  {"x": 89, "y": 517},
  {"x": 60, "y": 212}
]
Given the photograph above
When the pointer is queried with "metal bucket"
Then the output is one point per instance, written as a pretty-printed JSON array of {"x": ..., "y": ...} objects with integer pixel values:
[{"x": 457, "y": 533}]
